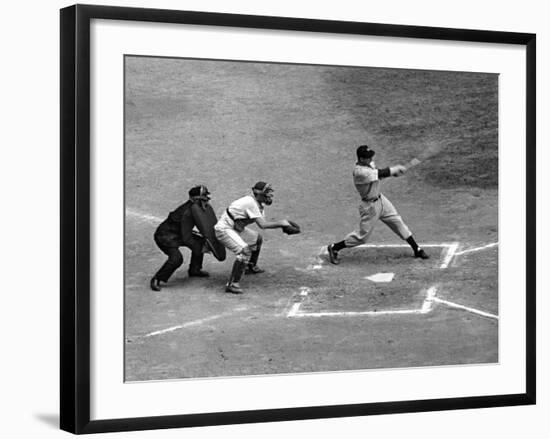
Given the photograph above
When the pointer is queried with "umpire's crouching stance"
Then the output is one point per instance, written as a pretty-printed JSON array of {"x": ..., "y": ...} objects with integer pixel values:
[{"x": 177, "y": 231}]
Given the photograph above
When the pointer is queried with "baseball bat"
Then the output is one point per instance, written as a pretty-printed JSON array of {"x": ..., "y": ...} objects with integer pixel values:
[{"x": 414, "y": 162}]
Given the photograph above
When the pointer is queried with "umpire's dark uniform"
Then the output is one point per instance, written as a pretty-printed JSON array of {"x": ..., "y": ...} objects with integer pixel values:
[{"x": 174, "y": 232}]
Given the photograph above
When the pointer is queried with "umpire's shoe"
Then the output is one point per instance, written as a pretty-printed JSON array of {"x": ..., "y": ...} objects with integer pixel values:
[
  {"x": 198, "y": 273},
  {"x": 155, "y": 284},
  {"x": 333, "y": 255},
  {"x": 421, "y": 254}
]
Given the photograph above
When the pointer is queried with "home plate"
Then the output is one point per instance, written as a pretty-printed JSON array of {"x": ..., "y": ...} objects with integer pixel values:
[{"x": 381, "y": 277}]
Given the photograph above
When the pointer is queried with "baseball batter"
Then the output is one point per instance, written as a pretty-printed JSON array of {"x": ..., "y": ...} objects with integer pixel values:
[
  {"x": 374, "y": 206},
  {"x": 232, "y": 231}
]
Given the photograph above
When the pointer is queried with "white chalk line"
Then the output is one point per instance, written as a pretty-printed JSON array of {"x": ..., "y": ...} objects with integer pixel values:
[
  {"x": 465, "y": 308},
  {"x": 192, "y": 323},
  {"x": 294, "y": 310},
  {"x": 304, "y": 291},
  {"x": 318, "y": 264},
  {"x": 143, "y": 216},
  {"x": 451, "y": 251},
  {"x": 429, "y": 301},
  {"x": 476, "y": 249},
  {"x": 401, "y": 245},
  {"x": 426, "y": 307},
  {"x": 324, "y": 249},
  {"x": 355, "y": 313}
]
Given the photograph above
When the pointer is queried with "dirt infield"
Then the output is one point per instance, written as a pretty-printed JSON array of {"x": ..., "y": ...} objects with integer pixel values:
[{"x": 228, "y": 125}]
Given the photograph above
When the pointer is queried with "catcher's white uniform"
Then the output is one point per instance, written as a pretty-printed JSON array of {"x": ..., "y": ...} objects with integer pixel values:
[{"x": 231, "y": 229}]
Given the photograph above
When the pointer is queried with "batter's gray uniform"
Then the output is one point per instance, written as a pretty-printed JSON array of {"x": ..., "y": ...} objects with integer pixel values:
[{"x": 374, "y": 206}]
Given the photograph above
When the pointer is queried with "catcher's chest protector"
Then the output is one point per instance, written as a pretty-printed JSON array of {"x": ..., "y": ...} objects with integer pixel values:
[{"x": 205, "y": 221}]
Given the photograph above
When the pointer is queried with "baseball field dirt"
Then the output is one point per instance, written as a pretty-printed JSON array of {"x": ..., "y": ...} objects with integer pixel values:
[{"x": 229, "y": 124}]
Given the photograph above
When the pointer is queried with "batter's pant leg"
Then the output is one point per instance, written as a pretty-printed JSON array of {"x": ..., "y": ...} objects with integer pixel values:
[
  {"x": 175, "y": 260},
  {"x": 393, "y": 220},
  {"x": 369, "y": 213}
]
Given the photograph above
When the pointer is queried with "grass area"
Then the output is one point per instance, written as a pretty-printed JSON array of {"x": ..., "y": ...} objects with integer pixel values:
[{"x": 447, "y": 119}]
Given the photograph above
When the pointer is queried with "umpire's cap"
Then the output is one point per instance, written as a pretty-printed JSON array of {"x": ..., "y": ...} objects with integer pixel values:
[
  {"x": 363, "y": 151},
  {"x": 199, "y": 191}
]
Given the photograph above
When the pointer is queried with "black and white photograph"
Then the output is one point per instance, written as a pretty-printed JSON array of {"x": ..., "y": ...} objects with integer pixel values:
[
  {"x": 275, "y": 219},
  {"x": 293, "y": 218}
]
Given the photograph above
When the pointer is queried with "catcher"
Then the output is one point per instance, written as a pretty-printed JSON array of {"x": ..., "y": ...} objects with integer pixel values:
[{"x": 232, "y": 231}]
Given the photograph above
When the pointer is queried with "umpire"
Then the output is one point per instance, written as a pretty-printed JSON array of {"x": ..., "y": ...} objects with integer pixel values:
[{"x": 177, "y": 231}]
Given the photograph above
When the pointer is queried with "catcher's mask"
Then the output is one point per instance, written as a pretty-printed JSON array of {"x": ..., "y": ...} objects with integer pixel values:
[
  {"x": 263, "y": 192},
  {"x": 199, "y": 194}
]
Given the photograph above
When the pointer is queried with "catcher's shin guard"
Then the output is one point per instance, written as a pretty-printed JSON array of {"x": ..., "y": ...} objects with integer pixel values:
[
  {"x": 237, "y": 271},
  {"x": 253, "y": 261},
  {"x": 236, "y": 274}
]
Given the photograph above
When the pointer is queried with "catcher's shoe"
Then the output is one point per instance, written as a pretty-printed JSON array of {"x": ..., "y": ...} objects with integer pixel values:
[
  {"x": 198, "y": 273},
  {"x": 234, "y": 288},
  {"x": 420, "y": 253},
  {"x": 253, "y": 269},
  {"x": 155, "y": 284},
  {"x": 333, "y": 255}
]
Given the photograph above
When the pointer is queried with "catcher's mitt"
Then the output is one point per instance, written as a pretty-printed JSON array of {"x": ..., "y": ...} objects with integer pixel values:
[{"x": 292, "y": 229}]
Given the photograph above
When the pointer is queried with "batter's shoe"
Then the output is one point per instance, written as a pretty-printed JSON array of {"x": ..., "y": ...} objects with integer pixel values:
[
  {"x": 198, "y": 273},
  {"x": 421, "y": 254},
  {"x": 155, "y": 284},
  {"x": 333, "y": 255},
  {"x": 253, "y": 269},
  {"x": 233, "y": 288}
]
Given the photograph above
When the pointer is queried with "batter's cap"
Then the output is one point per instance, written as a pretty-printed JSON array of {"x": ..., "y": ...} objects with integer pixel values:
[
  {"x": 363, "y": 151},
  {"x": 262, "y": 187}
]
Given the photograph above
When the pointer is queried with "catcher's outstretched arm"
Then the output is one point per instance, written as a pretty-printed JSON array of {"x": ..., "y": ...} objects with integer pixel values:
[
  {"x": 263, "y": 224},
  {"x": 292, "y": 228}
]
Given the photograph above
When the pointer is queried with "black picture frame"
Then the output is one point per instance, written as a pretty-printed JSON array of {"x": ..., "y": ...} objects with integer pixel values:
[{"x": 75, "y": 217}]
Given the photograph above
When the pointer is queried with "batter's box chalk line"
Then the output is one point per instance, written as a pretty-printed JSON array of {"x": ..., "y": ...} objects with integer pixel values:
[
  {"x": 304, "y": 291},
  {"x": 318, "y": 260},
  {"x": 448, "y": 253},
  {"x": 197, "y": 322},
  {"x": 317, "y": 263},
  {"x": 143, "y": 216}
]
